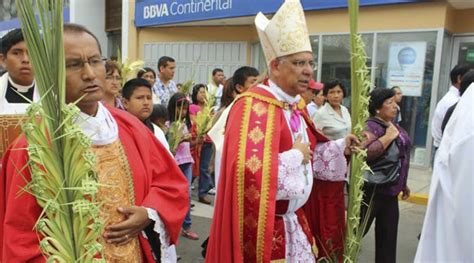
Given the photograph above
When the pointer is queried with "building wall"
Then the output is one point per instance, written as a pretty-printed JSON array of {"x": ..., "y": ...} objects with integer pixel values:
[
  {"x": 399, "y": 17},
  {"x": 380, "y": 18},
  {"x": 460, "y": 21},
  {"x": 91, "y": 14}
]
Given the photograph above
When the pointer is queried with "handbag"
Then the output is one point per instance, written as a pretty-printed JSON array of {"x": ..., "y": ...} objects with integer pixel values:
[{"x": 386, "y": 168}]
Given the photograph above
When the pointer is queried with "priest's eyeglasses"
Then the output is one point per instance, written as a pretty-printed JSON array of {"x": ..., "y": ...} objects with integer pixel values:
[
  {"x": 303, "y": 63},
  {"x": 78, "y": 64}
]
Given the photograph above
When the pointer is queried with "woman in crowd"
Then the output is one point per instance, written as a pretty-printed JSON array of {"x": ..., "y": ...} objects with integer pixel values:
[
  {"x": 203, "y": 152},
  {"x": 383, "y": 198},
  {"x": 148, "y": 74},
  {"x": 178, "y": 107},
  {"x": 334, "y": 121},
  {"x": 112, "y": 87}
]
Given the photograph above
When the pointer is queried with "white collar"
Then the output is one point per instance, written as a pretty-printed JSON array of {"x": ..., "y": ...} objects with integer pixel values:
[
  {"x": 101, "y": 128},
  {"x": 281, "y": 95},
  {"x": 454, "y": 91},
  {"x": 20, "y": 88}
]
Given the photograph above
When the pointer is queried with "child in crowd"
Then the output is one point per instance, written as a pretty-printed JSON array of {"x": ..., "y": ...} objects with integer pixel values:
[
  {"x": 159, "y": 117},
  {"x": 178, "y": 107},
  {"x": 137, "y": 100}
]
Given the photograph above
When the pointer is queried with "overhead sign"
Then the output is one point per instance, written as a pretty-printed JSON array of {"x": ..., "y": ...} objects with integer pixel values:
[{"x": 163, "y": 12}]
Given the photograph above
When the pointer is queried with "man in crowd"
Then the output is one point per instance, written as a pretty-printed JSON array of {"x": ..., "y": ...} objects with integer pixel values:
[
  {"x": 125, "y": 149},
  {"x": 267, "y": 165},
  {"x": 448, "y": 228},
  {"x": 446, "y": 102},
  {"x": 17, "y": 85},
  {"x": 217, "y": 85},
  {"x": 398, "y": 99},
  {"x": 165, "y": 87},
  {"x": 310, "y": 95}
]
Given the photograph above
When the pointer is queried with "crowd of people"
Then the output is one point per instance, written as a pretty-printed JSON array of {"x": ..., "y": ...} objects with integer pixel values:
[{"x": 276, "y": 155}]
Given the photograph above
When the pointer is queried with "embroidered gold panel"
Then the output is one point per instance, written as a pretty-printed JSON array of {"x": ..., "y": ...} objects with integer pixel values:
[{"x": 116, "y": 190}]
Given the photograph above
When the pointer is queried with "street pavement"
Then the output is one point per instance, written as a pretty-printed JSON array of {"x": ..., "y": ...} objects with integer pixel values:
[{"x": 410, "y": 224}]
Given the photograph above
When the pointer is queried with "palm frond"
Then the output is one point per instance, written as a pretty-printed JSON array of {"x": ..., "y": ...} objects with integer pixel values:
[
  {"x": 62, "y": 166},
  {"x": 360, "y": 86}
]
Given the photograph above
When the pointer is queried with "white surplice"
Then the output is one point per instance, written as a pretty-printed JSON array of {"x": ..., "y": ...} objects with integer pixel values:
[
  {"x": 448, "y": 228},
  {"x": 7, "y": 108}
]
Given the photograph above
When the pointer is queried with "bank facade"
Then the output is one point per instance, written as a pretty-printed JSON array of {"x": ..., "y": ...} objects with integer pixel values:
[{"x": 409, "y": 43}]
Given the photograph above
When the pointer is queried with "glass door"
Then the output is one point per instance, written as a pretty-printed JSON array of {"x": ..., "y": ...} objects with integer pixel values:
[{"x": 463, "y": 51}]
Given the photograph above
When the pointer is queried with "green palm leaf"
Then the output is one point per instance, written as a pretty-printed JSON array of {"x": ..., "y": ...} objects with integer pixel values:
[{"x": 60, "y": 159}]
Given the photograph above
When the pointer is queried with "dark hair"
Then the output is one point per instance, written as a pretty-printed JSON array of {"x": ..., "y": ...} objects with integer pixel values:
[
  {"x": 163, "y": 62},
  {"x": 111, "y": 66},
  {"x": 466, "y": 81},
  {"x": 159, "y": 112},
  {"x": 130, "y": 86},
  {"x": 395, "y": 87},
  {"x": 216, "y": 70},
  {"x": 144, "y": 70},
  {"x": 196, "y": 89},
  {"x": 458, "y": 71},
  {"x": 332, "y": 84},
  {"x": 242, "y": 74},
  {"x": 10, "y": 39},
  {"x": 228, "y": 93},
  {"x": 76, "y": 28},
  {"x": 377, "y": 98},
  {"x": 178, "y": 100}
]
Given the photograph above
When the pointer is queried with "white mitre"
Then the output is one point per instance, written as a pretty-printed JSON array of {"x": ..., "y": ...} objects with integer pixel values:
[{"x": 286, "y": 33}]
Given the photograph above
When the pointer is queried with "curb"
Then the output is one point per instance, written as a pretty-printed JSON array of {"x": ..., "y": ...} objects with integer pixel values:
[{"x": 419, "y": 199}]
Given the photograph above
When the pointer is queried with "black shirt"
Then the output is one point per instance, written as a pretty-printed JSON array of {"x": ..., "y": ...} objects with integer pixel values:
[{"x": 13, "y": 95}]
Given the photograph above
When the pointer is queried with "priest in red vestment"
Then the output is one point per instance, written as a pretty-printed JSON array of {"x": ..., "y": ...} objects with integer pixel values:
[
  {"x": 269, "y": 155},
  {"x": 147, "y": 188}
]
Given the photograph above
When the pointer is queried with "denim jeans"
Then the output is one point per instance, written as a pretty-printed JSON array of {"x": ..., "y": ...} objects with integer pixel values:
[
  {"x": 205, "y": 181},
  {"x": 187, "y": 169}
]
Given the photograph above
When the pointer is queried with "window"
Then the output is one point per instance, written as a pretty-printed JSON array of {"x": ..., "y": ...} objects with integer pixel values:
[
  {"x": 336, "y": 63},
  {"x": 405, "y": 50}
]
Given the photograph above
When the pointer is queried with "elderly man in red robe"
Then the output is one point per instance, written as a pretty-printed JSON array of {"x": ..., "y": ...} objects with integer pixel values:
[
  {"x": 148, "y": 190},
  {"x": 270, "y": 153}
]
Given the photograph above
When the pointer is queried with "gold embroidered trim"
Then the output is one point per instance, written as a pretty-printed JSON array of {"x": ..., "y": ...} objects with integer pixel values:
[
  {"x": 259, "y": 109},
  {"x": 128, "y": 171},
  {"x": 271, "y": 101},
  {"x": 241, "y": 168},
  {"x": 256, "y": 135},
  {"x": 278, "y": 261},
  {"x": 253, "y": 164},
  {"x": 262, "y": 216}
]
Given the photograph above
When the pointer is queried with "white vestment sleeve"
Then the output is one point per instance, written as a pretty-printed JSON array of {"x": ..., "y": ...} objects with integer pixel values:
[
  {"x": 168, "y": 252},
  {"x": 291, "y": 179},
  {"x": 329, "y": 162}
]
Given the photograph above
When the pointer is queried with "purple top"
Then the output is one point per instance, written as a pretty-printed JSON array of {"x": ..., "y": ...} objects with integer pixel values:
[{"x": 375, "y": 149}]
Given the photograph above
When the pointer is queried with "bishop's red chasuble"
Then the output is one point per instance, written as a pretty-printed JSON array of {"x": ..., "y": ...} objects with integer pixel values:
[
  {"x": 246, "y": 227},
  {"x": 157, "y": 183}
]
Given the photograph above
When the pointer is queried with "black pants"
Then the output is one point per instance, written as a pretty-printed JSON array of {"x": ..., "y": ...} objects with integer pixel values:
[{"x": 384, "y": 209}]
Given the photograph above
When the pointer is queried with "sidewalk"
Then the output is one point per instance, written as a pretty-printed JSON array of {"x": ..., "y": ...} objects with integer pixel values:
[{"x": 411, "y": 220}]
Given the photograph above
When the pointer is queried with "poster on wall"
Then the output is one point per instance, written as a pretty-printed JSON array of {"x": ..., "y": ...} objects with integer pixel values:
[{"x": 406, "y": 65}]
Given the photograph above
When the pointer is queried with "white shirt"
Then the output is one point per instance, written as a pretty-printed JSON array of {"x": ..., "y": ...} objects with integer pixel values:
[
  {"x": 443, "y": 105},
  {"x": 213, "y": 89},
  {"x": 331, "y": 123},
  {"x": 448, "y": 228},
  {"x": 312, "y": 108}
]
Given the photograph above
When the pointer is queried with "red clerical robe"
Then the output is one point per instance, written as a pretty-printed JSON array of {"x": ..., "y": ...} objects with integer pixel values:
[
  {"x": 158, "y": 184},
  {"x": 245, "y": 227}
]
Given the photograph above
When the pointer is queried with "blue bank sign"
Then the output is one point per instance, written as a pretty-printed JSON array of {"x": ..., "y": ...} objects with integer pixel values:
[{"x": 163, "y": 12}]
